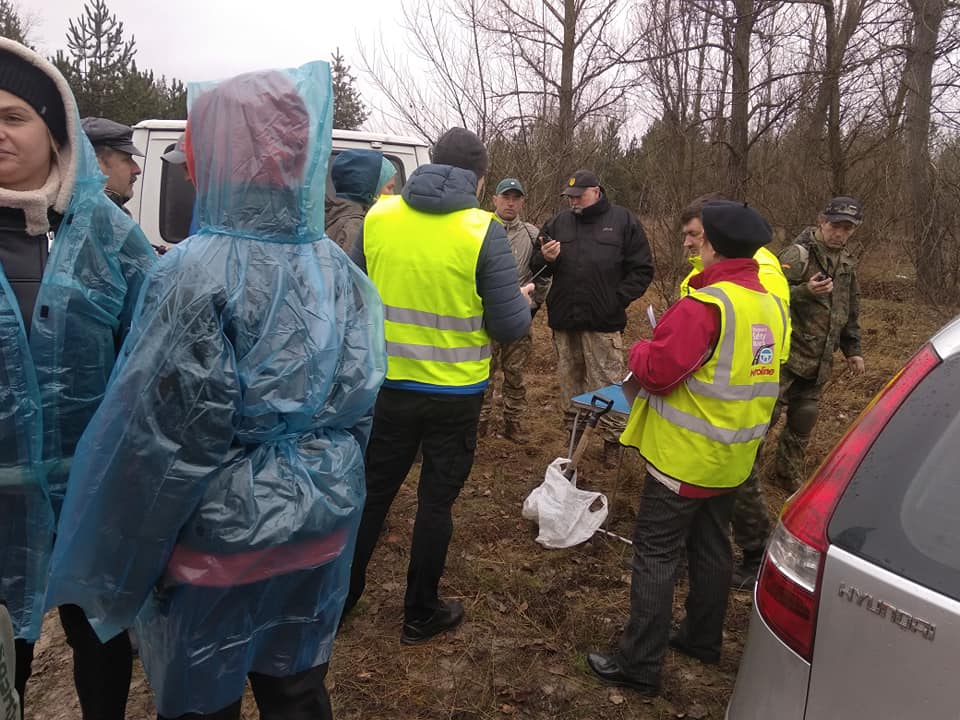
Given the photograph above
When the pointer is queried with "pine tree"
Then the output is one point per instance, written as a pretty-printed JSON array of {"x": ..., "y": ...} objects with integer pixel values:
[
  {"x": 100, "y": 68},
  {"x": 349, "y": 112},
  {"x": 12, "y": 24}
]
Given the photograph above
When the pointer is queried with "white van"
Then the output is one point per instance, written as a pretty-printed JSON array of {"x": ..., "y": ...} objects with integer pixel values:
[{"x": 163, "y": 199}]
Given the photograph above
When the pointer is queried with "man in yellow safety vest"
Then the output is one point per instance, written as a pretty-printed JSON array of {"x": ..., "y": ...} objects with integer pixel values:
[
  {"x": 709, "y": 379},
  {"x": 448, "y": 282}
]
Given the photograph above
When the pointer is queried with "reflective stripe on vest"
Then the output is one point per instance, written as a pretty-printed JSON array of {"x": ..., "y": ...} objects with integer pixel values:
[
  {"x": 707, "y": 431},
  {"x": 424, "y": 266},
  {"x": 771, "y": 276}
]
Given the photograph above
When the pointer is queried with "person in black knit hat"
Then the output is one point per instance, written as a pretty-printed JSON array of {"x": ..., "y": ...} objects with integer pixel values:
[
  {"x": 448, "y": 281},
  {"x": 709, "y": 381},
  {"x": 62, "y": 327}
]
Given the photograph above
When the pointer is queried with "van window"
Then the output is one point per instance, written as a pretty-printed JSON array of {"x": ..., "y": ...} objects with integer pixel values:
[
  {"x": 176, "y": 201},
  {"x": 177, "y": 196}
]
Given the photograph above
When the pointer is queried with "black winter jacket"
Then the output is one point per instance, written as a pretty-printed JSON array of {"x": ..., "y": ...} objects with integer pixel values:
[{"x": 604, "y": 265}]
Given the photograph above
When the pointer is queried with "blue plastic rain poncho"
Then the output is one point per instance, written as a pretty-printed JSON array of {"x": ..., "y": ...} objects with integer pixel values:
[
  {"x": 52, "y": 381},
  {"x": 218, "y": 491},
  {"x": 356, "y": 175}
]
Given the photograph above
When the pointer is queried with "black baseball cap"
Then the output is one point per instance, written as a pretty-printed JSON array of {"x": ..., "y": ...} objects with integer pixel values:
[
  {"x": 844, "y": 209},
  {"x": 578, "y": 182},
  {"x": 107, "y": 133}
]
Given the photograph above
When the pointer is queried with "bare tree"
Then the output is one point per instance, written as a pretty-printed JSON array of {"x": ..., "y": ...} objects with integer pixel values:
[{"x": 927, "y": 16}]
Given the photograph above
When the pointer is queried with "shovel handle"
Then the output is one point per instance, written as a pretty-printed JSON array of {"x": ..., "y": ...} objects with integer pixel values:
[{"x": 600, "y": 406}]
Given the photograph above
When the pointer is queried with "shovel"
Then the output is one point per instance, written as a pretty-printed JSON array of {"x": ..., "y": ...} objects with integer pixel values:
[{"x": 599, "y": 406}]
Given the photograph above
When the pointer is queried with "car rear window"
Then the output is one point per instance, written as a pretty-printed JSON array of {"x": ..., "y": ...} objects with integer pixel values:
[{"x": 901, "y": 510}]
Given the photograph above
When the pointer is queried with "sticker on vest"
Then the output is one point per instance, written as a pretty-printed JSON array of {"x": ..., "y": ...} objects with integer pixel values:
[{"x": 762, "y": 349}]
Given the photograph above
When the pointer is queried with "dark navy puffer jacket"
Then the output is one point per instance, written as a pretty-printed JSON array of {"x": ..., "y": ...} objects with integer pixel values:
[{"x": 442, "y": 189}]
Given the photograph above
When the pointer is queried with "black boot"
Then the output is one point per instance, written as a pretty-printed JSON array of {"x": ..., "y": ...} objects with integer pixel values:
[{"x": 745, "y": 576}]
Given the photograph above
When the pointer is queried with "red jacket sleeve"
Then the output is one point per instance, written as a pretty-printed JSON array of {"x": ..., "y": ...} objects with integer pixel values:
[{"x": 682, "y": 341}]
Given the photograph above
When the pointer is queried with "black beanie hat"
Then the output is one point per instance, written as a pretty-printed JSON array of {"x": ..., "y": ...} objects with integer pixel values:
[
  {"x": 22, "y": 78},
  {"x": 734, "y": 229},
  {"x": 461, "y": 148}
]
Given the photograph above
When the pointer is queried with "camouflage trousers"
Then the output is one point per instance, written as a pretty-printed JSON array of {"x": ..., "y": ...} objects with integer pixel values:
[
  {"x": 801, "y": 398},
  {"x": 511, "y": 359},
  {"x": 587, "y": 361},
  {"x": 751, "y": 519}
]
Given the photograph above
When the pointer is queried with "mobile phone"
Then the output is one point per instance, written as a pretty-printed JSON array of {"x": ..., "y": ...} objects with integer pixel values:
[{"x": 821, "y": 276}]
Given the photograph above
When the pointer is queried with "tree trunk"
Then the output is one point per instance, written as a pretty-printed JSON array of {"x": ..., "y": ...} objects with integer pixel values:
[
  {"x": 918, "y": 74},
  {"x": 737, "y": 170},
  {"x": 565, "y": 100}
]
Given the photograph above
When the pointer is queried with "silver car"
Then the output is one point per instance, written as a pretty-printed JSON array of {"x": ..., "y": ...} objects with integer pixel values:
[{"x": 857, "y": 607}]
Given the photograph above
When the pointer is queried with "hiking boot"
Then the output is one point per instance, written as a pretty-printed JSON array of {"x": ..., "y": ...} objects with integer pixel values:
[
  {"x": 611, "y": 454},
  {"x": 785, "y": 483},
  {"x": 446, "y": 617},
  {"x": 512, "y": 430},
  {"x": 745, "y": 576}
]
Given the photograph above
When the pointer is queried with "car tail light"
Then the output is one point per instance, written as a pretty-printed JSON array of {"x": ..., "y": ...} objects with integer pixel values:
[{"x": 788, "y": 591}]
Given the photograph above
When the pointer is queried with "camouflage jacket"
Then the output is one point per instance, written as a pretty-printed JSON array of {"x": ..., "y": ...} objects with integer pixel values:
[
  {"x": 821, "y": 323},
  {"x": 524, "y": 243}
]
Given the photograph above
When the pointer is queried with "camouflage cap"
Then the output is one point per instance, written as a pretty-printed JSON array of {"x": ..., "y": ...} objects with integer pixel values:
[{"x": 844, "y": 209}]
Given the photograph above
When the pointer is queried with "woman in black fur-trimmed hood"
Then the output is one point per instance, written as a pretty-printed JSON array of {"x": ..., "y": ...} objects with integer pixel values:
[{"x": 71, "y": 267}]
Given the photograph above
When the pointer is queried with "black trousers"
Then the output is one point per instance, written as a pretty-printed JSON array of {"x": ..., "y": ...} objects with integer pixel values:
[
  {"x": 296, "y": 697},
  {"x": 664, "y": 521},
  {"x": 101, "y": 671},
  {"x": 445, "y": 426}
]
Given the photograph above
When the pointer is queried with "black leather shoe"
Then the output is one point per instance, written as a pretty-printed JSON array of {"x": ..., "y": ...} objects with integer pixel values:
[
  {"x": 707, "y": 657},
  {"x": 446, "y": 617},
  {"x": 607, "y": 669}
]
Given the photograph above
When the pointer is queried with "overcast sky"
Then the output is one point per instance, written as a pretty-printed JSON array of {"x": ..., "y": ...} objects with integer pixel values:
[{"x": 212, "y": 39}]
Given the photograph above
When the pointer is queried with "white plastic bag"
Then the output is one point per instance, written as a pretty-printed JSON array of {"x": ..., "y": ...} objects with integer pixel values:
[{"x": 562, "y": 510}]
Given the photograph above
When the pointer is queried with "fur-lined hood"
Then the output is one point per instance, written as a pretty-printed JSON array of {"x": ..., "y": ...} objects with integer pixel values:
[{"x": 76, "y": 173}]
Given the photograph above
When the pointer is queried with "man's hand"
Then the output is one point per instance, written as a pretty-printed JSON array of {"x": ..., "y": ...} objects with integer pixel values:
[
  {"x": 527, "y": 291},
  {"x": 820, "y": 284},
  {"x": 855, "y": 365},
  {"x": 549, "y": 248}
]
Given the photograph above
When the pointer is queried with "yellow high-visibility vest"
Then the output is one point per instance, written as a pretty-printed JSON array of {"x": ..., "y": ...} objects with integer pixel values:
[
  {"x": 425, "y": 267},
  {"x": 771, "y": 277},
  {"x": 707, "y": 431}
]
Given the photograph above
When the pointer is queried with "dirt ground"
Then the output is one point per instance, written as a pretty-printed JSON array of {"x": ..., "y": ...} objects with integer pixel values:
[{"x": 532, "y": 613}]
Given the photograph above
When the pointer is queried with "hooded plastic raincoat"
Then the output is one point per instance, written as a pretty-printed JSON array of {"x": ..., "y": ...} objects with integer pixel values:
[
  {"x": 217, "y": 493},
  {"x": 52, "y": 381}
]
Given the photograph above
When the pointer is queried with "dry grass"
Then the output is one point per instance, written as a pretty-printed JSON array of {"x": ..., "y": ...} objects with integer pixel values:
[{"x": 531, "y": 612}]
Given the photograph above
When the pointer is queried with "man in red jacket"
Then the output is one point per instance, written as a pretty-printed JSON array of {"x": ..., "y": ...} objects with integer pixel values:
[{"x": 709, "y": 379}]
